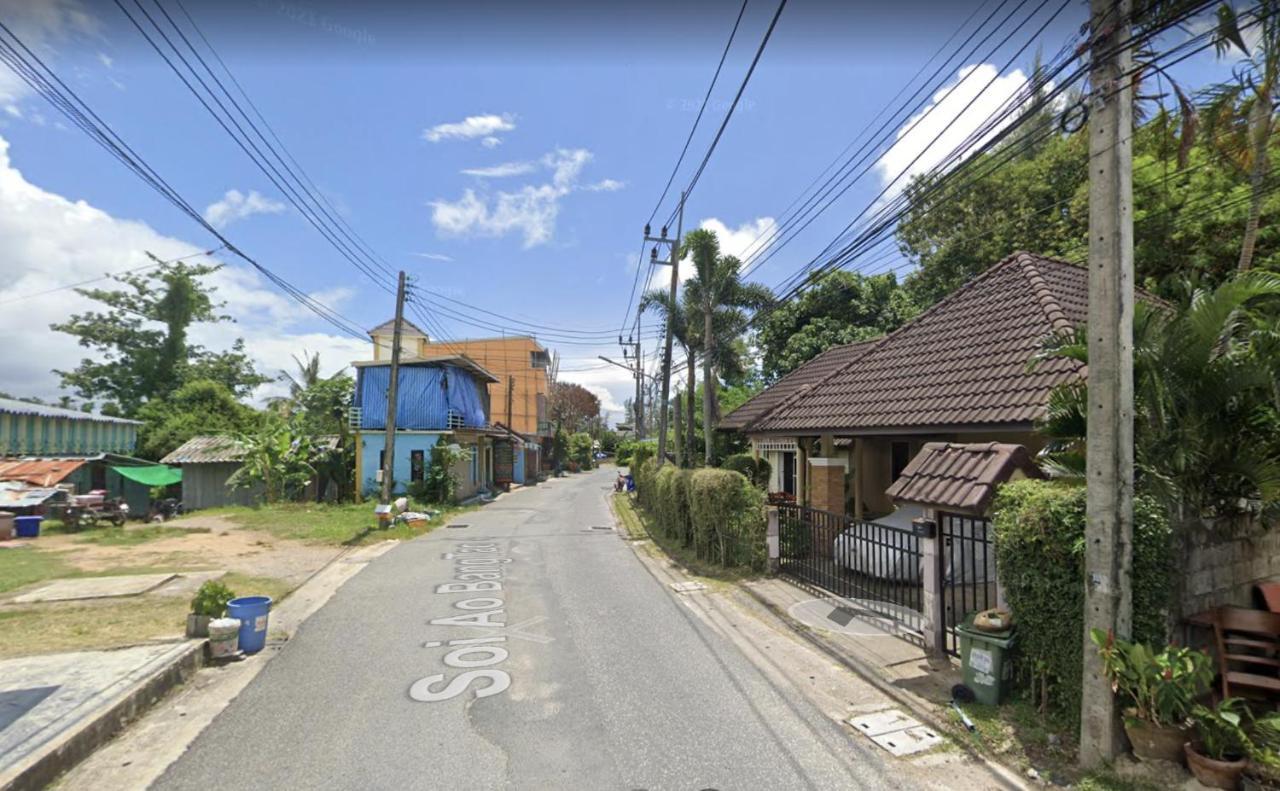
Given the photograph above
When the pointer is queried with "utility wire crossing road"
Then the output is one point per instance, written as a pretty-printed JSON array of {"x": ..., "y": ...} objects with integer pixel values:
[{"x": 525, "y": 650}]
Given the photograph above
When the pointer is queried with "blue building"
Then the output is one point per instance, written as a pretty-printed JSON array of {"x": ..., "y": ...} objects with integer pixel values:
[{"x": 438, "y": 399}]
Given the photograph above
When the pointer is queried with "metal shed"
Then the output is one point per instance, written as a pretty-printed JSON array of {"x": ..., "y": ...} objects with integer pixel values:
[{"x": 207, "y": 463}]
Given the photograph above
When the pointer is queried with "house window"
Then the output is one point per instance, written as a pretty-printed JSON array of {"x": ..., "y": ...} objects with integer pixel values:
[
  {"x": 901, "y": 453},
  {"x": 417, "y": 465},
  {"x": 539, "y": 359}
]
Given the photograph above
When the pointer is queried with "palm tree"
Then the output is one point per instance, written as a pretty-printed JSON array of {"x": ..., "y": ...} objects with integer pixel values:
[
  {"x": 680, "y": 317},
  {"x": 1205, "y": 399},
  {"x": 721, "y": 301},
  {"x": 1241, "y": 117},
  {"x": 308, "y": 373}
]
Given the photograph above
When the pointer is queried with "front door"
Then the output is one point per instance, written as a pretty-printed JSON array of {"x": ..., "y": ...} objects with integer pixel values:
[{"x": 789, "y": 472}]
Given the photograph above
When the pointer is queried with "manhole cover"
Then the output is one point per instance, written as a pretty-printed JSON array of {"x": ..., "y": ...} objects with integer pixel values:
[
  {"x": 909, "y": 741},
  {"x": 883, "y": 722}
]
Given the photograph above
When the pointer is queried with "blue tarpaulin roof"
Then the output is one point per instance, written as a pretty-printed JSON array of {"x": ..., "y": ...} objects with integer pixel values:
[{"x": 424, "y": 397}]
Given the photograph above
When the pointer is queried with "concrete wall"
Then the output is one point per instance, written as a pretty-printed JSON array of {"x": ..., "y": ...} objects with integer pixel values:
[
  {"x": 1222, "y": 563},
  {"x": 508, "y": 359},
  {"x": 369, "y": 454}
]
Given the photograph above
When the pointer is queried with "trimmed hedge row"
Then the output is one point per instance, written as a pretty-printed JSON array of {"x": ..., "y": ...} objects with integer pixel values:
[
  {"x": 1039, "y": 543},
  {"x": 755, "y": 470},
  {"x": 716, "y": 512}
]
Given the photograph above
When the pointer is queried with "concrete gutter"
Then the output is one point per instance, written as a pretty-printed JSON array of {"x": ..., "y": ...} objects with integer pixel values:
[{"x": 77, "y": 742}]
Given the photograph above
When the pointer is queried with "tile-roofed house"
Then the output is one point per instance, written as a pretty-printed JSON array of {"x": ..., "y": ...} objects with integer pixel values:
[
  {"x": 804, "y": 376},
  {"x": 963, "y": 362},
  {"x": 956, "y": 373},
  {"x": 961, "y": 477}
]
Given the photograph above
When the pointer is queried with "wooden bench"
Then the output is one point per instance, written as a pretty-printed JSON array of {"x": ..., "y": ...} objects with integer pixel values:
[{"x": 1248, "y": 643}]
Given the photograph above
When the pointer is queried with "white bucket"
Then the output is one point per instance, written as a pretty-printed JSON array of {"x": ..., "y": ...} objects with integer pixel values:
[{"x": 224, "y": 637}]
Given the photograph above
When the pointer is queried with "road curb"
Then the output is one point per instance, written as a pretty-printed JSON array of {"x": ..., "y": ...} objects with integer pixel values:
[{"x": 76, "y": 744}]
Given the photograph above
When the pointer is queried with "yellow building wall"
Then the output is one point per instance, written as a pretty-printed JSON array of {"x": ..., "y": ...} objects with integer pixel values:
[{"x": 506, "y": 358}]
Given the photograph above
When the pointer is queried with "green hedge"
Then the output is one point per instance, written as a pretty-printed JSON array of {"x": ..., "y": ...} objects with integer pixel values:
[
  {"x": 1039, "y": 541},
  {"x": 717, "y": 512},
  {"x": 755, "y": 470}
]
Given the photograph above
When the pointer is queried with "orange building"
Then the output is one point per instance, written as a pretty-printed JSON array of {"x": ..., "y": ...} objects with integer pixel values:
[{"x": 520, "y": 363}]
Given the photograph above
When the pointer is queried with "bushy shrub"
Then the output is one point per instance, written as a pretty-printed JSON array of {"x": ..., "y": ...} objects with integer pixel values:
[
  {"x": 1039, "y": 541},
  {"x": 727, "y": 518},
  {"x": 440, "y": 484},
  {"x": 581, "y": 450},
  {"x": 642, "y": 452},
  {"x": 755, "y": 470}
]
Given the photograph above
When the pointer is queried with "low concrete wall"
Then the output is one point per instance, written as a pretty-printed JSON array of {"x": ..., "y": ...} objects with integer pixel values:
[{"x": 1223, "y": 562}]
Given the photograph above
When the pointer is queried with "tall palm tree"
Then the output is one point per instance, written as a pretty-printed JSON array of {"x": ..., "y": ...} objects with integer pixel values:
[
  {"x": 721, "y": 301},
  {"x": 1205, "y": 398},
  {"x": 1241, "y": 117},
  {"x": 679, "y": 314},
  {"x": 308, "y": 373}
]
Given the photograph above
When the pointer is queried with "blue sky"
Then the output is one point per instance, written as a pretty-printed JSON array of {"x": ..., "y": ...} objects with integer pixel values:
[{"x": 505, "y": 155}]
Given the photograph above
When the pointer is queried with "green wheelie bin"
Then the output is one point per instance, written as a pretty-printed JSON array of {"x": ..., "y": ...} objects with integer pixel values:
[{"x": 987, "y": 661}]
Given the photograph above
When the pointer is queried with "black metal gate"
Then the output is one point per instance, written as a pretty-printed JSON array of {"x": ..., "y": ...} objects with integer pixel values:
[
  {"x": 876, "y": 567},
  {"x": 968, "y": 570}
]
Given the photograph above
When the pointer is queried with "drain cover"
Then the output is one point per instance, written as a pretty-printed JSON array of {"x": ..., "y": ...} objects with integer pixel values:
[
  {"x": 602, "y": 527},
  {"x": 909, "y": 741},
  {"x": 883, "y": 722},
  {"x": 687, "y": 587},
  {"x": 457, "y": 526},
  {"x": 841, "y": 615}
]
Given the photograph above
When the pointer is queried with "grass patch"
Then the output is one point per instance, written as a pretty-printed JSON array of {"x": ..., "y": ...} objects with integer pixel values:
[
  {"x": 345, "y": 524},
  {"x": 639, "y": 525},
  {"x": 26, "y": 565},
  {"x": 127, "y": 537},
  {"x": 111, "y": 623}
]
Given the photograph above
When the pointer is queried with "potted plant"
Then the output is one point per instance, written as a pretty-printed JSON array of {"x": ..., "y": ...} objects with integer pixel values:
[
  {"x": 1220, "y": 754},
  {"x": 1157, "y": 690},
  {"x": 209, "y": 602}
]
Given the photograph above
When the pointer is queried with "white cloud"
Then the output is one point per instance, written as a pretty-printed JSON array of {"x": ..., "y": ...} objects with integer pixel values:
[
  {"x": 606, "y": 185},
  {"x": 530, "y": 210},
  {"x": 50, "y": 241},
  {"x": 40, "y": 25},
  {"x": 914, "y": 150},
  {"x": 434, "y": 256},
  {"x": 236, "y": 206},
  {"x": 491, "y": 142},
  {"x": 505, "y": 170},
  {"x": 105, "y": 59},
  {"x": 739, "y": 242},
  {"x": 471, "y": 127},
  {"x": 612, "y": 385}
]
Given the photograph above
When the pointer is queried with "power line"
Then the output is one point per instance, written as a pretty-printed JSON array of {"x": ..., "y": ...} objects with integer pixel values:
[{"x": 108, "y": 276}]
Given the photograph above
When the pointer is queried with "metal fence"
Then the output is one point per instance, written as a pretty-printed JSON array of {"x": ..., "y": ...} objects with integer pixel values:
[
  {"x": 876, "y": 567},
  {"x": 968, "y": 570}
]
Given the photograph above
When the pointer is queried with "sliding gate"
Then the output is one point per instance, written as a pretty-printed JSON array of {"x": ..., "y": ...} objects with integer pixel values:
[{"x": 875, "y": 568}]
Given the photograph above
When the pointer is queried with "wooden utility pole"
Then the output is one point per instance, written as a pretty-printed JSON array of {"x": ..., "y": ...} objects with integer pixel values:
[
  {"x": 389, "y": 448},
  {"x": 1108, "y": 600},
  {"x": 673, "y": 261}
]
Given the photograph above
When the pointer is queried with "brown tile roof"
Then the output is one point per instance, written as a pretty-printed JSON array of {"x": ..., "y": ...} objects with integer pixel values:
[
  {"x": 961, "y": 362},
  {"x": 960, "y": 477},
  {"x": 804, "y": 376}
]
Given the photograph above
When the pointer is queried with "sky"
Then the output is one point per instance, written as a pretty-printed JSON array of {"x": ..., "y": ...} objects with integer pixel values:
[{"x": 505, "y": 155}]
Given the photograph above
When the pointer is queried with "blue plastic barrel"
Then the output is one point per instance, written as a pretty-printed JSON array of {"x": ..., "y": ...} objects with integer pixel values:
[
  {"x": 252, "y": 612},
  {"x": 27, "y": 526}
]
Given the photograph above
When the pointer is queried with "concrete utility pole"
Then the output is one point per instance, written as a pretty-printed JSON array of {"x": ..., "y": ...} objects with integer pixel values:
[
  {"x": 679, "y": 433},
  {"x": 389, "y": 450},
  {"x": 637, "y": 371},
  {"x": 511, "y": 392},
  {"x": 674, "y": 262},
  {"x": 1108, "y": 600}
]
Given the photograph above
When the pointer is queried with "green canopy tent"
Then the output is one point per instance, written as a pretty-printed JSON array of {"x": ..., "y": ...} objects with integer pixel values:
[{"x": 151, "y": 475}]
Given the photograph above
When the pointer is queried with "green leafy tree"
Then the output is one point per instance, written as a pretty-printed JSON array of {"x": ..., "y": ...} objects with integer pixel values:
[
  {"x": 723, "y": 302},
  {"x": 836, "y": 308},
  {"x": 573, "y": 406},
  {"x": 582, "y": 449},
  {"x": 681, "y": 316},
  {"x": 197, "y": 408},
  {"x": 278, "y": 459},
  {"x": 440, "y": 484},
  {"x": 143, "y": 352}
]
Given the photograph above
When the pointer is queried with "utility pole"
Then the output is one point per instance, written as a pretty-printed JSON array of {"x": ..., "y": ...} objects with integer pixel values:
[
  {"x": 389, "y": 448},
  {"x": 511, "y": 392},
  {"x": 637, "y": 371},
  {"x": 1108, "y": 600},
  {"x": 679, "y": 433},
  {"x": 674, "y": 262}
]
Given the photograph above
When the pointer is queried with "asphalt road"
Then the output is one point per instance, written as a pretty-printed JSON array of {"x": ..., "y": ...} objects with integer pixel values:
[{"x": 583, "y": 672}]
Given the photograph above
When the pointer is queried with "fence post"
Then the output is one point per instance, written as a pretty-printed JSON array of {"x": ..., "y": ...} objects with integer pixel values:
[
  {"x": 935, "y": 620},
  {"x": 771, "y": 538}
]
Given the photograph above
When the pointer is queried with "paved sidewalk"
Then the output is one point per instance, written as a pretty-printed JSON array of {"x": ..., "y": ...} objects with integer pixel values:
[{"x": 54, "y": 708}]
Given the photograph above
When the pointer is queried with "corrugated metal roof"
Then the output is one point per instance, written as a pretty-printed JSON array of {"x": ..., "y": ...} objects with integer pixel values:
[
  {"x": 960, "y": 477},
  {"x": 206, "y": 450},
  {"x": 16, "y": 407},
  {"x": 38, "y": 472}
]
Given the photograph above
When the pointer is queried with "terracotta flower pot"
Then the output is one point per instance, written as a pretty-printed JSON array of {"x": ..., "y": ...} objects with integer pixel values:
[
  {"x": 1214, "y": 773},
  {"x": 1155, "y": 742}
]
